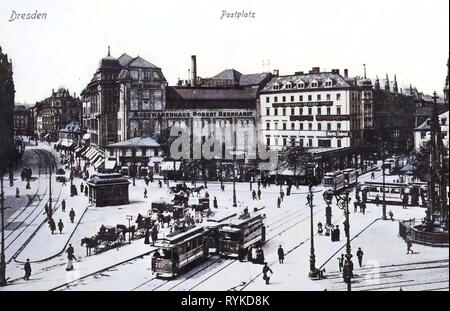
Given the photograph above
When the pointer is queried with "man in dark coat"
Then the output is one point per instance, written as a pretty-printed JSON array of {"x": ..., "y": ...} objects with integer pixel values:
[
  {"x": 279, "y": 203},
  {"x": 337, "y": 233},
  {"x": 281, "y": 255},
  {"x": 145, "y": 194},
  {"x": 81, "y": 188},
  {"x": 72, "y": 215},
  {"x": 215, "y": 203},
  {"x": 52, "y": 225},
  {"x": 70, "y": 250},
  {"x": 60, "y": 226},
  {"x": 254, "y": 195},
  {"x": 267, "y": 273},
  {"x": 259, "y": 194},
  {"x": 341, "y": 262},
  {"x": 27, "y": 268},
  {"x": 63, "y": 205},
  {"x": 154, "y": 234},
  {"x": 360, "y": 254}
]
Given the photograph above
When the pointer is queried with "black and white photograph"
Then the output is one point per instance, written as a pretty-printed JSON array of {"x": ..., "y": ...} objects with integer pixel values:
[{"x": 224, "y": 146}]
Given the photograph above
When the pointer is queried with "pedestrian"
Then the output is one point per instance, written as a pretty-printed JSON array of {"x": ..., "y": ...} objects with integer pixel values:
[
  {"x": 27, "y": 268},
  {"x": 145, "y": 193},
  {"x": 159, "y": 184},
  {"x": 215, "y": 203},
  {"x": 405, "y": 201},
  {"x": 372, "y": 175},
  {"x": 282, "y": 195},
  {"x": 279, "y": 202},
  {"x": 391, "y": 215},
  {"x": 17, "y": 193},
  {"x": 154, "y": 234},
  {"x": 319, "y": 228},
  {"x": 259, "y": 194},
  {"x": 72, "y": 215},
  {"x": 267, "y": 273},
  {"x": 409, "y": 245},
  {"x": 52, "y": 225},
  {"x": 70, "y": 250},
  {"x": 254, "y": 195},
  {"x": 63, "y": 205},
  {"x": 86, "y": 191},
  {"x": 360, "y": 254},
  {"x": 281, "y": 255},
  {"x": 337, "y": 233},
  {"x": 363, "y": 208},
  {"x": 377, "y": 200},
  {"x": 341, "y": 262},
  {"x": 60, "y": 226},
  {"x": 70, "y": 258}
]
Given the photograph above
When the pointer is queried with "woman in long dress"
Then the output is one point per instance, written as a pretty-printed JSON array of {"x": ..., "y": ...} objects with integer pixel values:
[{"x": 70, "y": 258}]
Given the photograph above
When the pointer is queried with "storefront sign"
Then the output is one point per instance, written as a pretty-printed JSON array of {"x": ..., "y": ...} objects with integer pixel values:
[{"x": 191, "y": 114}]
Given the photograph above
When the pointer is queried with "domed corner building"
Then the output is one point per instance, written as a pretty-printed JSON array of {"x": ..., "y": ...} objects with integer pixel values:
[{"x": 108, "y": 190}]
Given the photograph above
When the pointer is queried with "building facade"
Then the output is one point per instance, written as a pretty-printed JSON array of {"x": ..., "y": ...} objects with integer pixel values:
[
  {"x": 422, "y": 133},
  {"x": 23, "y": 120},
  {"x": 55, "y": 112},
  {"x": 314, "y": 110},
  {"x": 121, "y": 91},
  {"x": 7, "y": 152}
]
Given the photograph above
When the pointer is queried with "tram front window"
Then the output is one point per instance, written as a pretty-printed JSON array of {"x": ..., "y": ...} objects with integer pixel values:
[
  {"x": 232, "y": 236},
  {"x": 163, "y": 254}
]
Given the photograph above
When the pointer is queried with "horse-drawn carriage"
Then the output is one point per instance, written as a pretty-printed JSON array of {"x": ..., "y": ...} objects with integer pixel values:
[
  {"x": 107, "y": 238},
  {"x": 145, "y": 223}
]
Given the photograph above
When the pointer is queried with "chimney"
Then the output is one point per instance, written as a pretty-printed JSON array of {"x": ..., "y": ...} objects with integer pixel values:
[
  {"x": 335, "y": 71},
  {"x": 346, "y": 73},
  {"x": 194, "y": 70},
  {"x": 276, "y": 72},
  {"x": 315, "y": 70}
]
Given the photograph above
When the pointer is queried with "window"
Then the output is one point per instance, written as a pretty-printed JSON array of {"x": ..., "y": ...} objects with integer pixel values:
[
  {"x": 267, "y": 111},
  {"x": 292, "y": 111},
  {"x": 267, "y": 99},
  {"x": 275, "y": 111},
  {"x": 275, "y": 99},
  {"x": 319, "y": 97},
  {"x": 443, "y": 121},
  {"x": 292, "y": 126},
  {"x": 310, "y": 142},
  {"x": 268, "y": 141},
  {"x": 338, "y": 110},
  {"x": 338, "y": 96},
  {"x": 301, "y": 98},
  {"x": 284, "y": 127},
  {"x": 284, "y": 142},
  {"x": 339, "y": 143},
  {"x": 319, "y": 111},
  {"x": 339, "y": 126},
  {"x": 310, "y": 111},
  {"x": 423, "y": 135},
  {"x": 329, "y": 83},
  {"x": 301, "y": 111},
  {"x": 284, "y": 99},
  {"x": 292, "y": 98},
  {"x": 310, "y": 126},
  {"x": 288, "y": 86},
  {"x": 267, "y": 126},
  {"x": 144, "y": 152},
  {"x": 301, "y": 85},
  {"x": 328, "y": 126},
  {"x": 309, "y": 97},
  {"x": 284, "y": 111},
  {"x": 325, "y": 143},
  {"x": 276, "y": 126},
  {"x": 314, "y": 84},
  {"x": 301, "y": 126},
  {"x": 276, "y": 87},
  {"x": 301, "y": 142},
  {"x": 328, "y": 96},
  {"x": 328, "y": 111},
  {"x": 319, "y": 126}
]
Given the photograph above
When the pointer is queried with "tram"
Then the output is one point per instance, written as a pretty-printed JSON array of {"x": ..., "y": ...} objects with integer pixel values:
[
  {"x": 350, "y": 177},
  {"x": 335, "y": 180},
  {"x": 240, "y": 234},
  {"x": 212, "y": 226},
  {"x": 393, "y": 192},
  {"x": 178, "y": 251}
]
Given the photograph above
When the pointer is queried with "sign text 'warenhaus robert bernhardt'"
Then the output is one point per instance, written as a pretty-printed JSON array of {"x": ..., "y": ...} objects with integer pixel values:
[{"x": 18, "y": 16}]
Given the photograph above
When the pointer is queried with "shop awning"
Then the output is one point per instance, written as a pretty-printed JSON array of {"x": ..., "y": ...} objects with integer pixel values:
[{"x": 98, "y": 162}]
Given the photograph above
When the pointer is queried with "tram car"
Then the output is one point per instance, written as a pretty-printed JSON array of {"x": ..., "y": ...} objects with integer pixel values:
[
  {"x": 212, "y": 226},
  {"x": 240, "y": 234},
  {"x": 393, "y": 192},
  {"x": 335, "y": 180},
  {"x": 350, "y": 177},
  {"x": 179, "y": 251}
]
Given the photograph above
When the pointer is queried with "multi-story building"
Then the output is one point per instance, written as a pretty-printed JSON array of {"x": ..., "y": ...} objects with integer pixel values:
[
  {"x": 7, "y": 150},
  {"x": 122, "y": 90},
  {"x": 23, "y": 120},
  {"x": 422, "y": 133},
  {"x": 55, "y": 112}
]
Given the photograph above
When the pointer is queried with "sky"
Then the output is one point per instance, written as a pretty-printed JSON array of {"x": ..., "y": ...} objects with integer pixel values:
[{"x": 408, "y": 38}]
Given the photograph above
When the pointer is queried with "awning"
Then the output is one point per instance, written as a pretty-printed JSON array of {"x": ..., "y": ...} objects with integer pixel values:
[
  {"x": 91, "y": 154},
  {"x": 98, "y": 162},
  {"x": 87, "y": 136},
  {"x": 110, "y": 164}
]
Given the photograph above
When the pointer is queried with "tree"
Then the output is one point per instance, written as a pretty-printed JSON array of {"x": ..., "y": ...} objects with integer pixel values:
[
  {"x": 421, "y": 161},
  {"x": 295, "y": 158}
]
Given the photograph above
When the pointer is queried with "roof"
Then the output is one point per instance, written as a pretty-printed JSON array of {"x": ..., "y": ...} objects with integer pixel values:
[
  {"x": 425, "y": 126},
  {"x": 137, "y": 142},
  {"x": 108, "y": 179},
  {"x": 210, "y": 98},
  {"x": 338, "y": 80},
  {"x": 253, "y": 79},
  {"x": 229, "y": 74}
]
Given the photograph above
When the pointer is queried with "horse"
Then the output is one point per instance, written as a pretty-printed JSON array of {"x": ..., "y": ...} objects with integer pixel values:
[
  {"x": 164, "y": 219},
  {"x": 126, "y": 230},
  {"x": 91, "y": 242},
  {"x": 196, "y": 190}
]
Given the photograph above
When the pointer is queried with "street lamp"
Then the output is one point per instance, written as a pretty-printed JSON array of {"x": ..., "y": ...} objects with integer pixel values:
[
  {"x": 134, "y": 165},
  {"x": 314, "y": 273},
  {"x": 342, "y": 203},
  {"x": 384, "y": 153}
]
